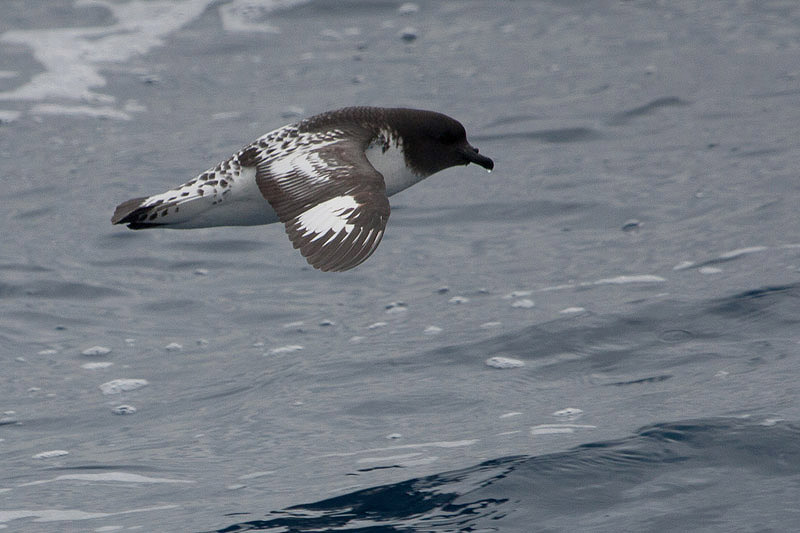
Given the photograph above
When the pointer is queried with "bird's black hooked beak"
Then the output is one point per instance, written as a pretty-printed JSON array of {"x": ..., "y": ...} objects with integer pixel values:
[{"x": 472, "y": 156}]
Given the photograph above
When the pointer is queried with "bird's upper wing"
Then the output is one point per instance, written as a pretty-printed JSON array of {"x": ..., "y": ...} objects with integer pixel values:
[{"x": 330, "y": 198}]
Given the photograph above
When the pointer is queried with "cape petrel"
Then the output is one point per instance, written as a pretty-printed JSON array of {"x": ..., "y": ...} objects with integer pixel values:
[{"x": 326, "y": 178}]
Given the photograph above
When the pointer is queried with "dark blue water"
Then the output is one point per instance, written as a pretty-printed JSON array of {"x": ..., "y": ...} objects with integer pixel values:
[
  {"x": 600, "y": 335},
  {"x": 688, "y": 475},
  {"x": 697, "y": 474}
]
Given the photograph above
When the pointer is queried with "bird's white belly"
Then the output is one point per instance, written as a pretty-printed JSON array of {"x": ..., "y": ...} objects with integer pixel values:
[{"x": 242, "y": 205}]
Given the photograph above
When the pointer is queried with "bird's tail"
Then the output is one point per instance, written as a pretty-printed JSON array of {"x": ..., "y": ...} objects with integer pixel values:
[{"x": 136, "y": 213}]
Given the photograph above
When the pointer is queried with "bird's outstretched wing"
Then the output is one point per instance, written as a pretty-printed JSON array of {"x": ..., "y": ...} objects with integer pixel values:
[{"x": 330, "y": 198}]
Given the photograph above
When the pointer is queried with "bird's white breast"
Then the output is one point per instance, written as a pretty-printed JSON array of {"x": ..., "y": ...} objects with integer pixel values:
[{"x": 385, "y": 153}]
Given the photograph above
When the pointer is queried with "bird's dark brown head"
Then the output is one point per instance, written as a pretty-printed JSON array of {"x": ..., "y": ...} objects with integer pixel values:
[{"x": 433, "y": 141}]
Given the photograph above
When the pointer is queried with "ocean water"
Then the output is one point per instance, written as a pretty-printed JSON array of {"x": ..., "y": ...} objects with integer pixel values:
[{"x": 603, "y": 334}]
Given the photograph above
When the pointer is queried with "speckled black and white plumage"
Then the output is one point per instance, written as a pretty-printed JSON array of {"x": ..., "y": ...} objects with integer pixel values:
[{"x": 327, "y": 178}]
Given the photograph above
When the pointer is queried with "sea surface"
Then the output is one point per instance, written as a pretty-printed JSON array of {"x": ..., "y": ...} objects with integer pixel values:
[{"x": 603, "y": 334}]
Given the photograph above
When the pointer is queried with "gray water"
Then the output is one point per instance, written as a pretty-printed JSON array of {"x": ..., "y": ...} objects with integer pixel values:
[{"x": 634, "y": 259}]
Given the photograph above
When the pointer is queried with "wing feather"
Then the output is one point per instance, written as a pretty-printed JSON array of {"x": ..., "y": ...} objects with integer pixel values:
[{"x": 331, "y": 200}]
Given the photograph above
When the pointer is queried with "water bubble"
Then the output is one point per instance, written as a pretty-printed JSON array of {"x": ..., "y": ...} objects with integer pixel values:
[
  {"x": 8, "y": 418},
  {"x": 96, "y": 350},
  {"x": 568, "y": 413},
  {"x": 117, "y": 386},
  {"x": 517, "y": 294},
  {"x": 124, "y": 410},
  {"x": 286, "y": 349},
  {"x": 408, "y": 34},
  {"x": 396, "y": 307},
  {"x": 97, "y": 366},
  {"x": 50, "y": 454},
  {"x": 631, "y": 225},
  {"x": 409, "y": 8},
  {"x": 504, "y": 362},
  {"x": 296, "y": 325}
]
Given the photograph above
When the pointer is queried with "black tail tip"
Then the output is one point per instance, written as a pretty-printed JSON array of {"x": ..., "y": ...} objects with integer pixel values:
[{"x": 127, "y": 212}]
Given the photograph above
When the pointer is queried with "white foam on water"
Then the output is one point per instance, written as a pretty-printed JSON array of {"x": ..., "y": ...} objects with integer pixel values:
[
  {"x": 504, "y": 362},
  {"x": 742, "y": 251},
  {"x": 683, "y": 265},
  {"x": 79, "y": 110},
  {"x": 50, "y": 454},
  {"x": 569, "y": 413},
  {"x": 248, "y": 15},
  {"x": 558, "y": 287},
  {"x": 641, "y": 278},
  {"x": 72, "y": 58},
  {"x": 437, "y": 444},
  {"x": 409, "y": 8},
  {"x": 524, "y": 303},
  {"x": 116, "y": 477},
  {"x": 254, "y": 475},
  {"x": 8, "y": 116},
  {"x": 286, "y": 349},
  {"x": 709, "y": 270},
  {"x": 97, "y": 366},
  {"x": 59, "y": 515},
  {"x": 571, "y": 310},
  {"x": 96, "y": 350},
  {"x": 549, "y": 429}
]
